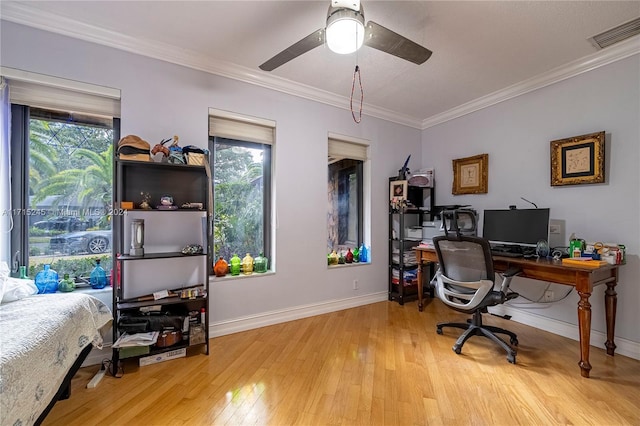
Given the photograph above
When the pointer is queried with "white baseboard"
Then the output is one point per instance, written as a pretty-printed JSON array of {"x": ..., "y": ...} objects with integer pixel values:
[
  {"x": 623, "y": 346},
  {"x": 276, "y": 317}
]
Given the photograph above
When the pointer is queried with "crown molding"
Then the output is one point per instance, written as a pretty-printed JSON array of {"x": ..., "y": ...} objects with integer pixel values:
[
  {"x": 598, "y": 59},
  {"x": 25, "y": 14}
]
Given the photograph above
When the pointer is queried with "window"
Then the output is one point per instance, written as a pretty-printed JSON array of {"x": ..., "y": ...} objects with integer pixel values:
[
  {"x": 242, "y": 161},
  {"x": 61, "y": 175},
  {"x": 345, "y": 218}
]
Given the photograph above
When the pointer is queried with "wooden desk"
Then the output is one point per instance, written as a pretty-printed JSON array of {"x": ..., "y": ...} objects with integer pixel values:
[{"x": 583, "y": 279}]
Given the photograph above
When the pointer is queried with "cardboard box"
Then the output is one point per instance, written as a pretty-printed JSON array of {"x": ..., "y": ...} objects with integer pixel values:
[{"x": 164, "y": 356}]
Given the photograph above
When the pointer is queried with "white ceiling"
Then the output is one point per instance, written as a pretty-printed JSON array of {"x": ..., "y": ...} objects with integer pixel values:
[{"x": 480, "y": 48}]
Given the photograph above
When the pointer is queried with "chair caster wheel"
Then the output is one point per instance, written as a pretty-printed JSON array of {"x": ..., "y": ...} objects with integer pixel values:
[
  {"x": 511, "y": 359},
  {"x": 457, "y": 350},
  {"x": 439, "y": 330},
  {"x": 514, "y": 342}
]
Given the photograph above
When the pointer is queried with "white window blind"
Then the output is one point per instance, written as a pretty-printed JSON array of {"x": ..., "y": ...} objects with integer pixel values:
[
  {"x": 341, "y": 149},
  {"x": 43, "y": 91},
  {"x": 234, "y": 126}
]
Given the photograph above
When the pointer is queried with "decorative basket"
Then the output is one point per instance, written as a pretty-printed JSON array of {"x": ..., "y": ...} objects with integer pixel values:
[{"x": 195, "y": 159}]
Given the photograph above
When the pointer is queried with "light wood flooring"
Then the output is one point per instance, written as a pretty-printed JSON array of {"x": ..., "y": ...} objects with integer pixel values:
[{"x": 377, "y": 364}]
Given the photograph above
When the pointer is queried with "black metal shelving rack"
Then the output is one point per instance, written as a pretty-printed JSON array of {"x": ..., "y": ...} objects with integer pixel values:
[
  {"x": 187, "y": 184},
  {"x": 402, "y": 258}
]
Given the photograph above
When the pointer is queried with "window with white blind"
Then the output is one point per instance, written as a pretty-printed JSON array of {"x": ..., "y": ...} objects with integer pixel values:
[
  {"x": 345, "y": 218},
  {"x": 241, "y": 171},
  {"x": 62, "y": 138}
]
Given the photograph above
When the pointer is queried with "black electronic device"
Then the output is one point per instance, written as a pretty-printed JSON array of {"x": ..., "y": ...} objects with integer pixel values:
[{"x": 516, "y": 227}]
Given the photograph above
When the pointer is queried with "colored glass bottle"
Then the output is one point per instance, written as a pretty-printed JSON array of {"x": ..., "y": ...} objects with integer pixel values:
[
  {"x": 47, "y": 280},
  {"x": 98, "y": 277},
  {"x": 341, "y": 259},
  {"x": 349, "y": 256},
  {"x": 235, "y": 265},
  {"x": 333, "y": 258},
  {"x": 356, "y": 255},
  {"x": 364, "y": 254},
  {"x": 247, "y": 265},
  {"x": 221, "y": 267},
  {"x": 260, "y": 264},
  {"x": 23, "y": 273},
  {"x": 67, "y": 284}
]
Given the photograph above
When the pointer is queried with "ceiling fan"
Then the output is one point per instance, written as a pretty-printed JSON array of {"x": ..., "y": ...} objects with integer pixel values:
[{"x": 346, "y": 32}]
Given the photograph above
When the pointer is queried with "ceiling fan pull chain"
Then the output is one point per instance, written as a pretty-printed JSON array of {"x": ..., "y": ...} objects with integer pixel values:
[{"x": 353, "y": 86}]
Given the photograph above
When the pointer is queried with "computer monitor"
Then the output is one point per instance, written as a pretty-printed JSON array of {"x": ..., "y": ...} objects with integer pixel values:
[{"x": 522, "y": 227}]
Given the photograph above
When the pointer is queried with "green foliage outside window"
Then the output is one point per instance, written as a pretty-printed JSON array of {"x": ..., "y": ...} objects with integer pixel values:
[{"x": 239, "y": 198}]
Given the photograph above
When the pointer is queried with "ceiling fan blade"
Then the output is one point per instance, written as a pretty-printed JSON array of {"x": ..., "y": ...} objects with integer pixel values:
[
  {"x": 311, "y": 41},
  {"x": 384, "y": 39}
]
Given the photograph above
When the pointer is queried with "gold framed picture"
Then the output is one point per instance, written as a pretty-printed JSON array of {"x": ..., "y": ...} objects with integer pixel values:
[
  {"x": 578, "y": 160},
  {"x": 398, "y": 190},
  {"x": 471, "y": 175}
]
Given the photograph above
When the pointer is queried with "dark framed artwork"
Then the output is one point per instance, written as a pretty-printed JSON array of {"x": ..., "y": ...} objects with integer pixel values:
[
  {"x": 578, "y": 160},
  {"x": 471, "y": 175}
]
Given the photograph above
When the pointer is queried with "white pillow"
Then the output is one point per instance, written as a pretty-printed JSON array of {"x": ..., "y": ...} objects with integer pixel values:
[
  {"x": 4, "y": 274},
  {"x": 12, "y": 289}
]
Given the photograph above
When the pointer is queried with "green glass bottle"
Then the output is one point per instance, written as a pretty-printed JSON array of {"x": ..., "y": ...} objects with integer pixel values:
[
  {"x": 260, "y": 264},
  {"x": 67, "y": 284},
  {"x": 235, "y": 265},
  {"x": 356, "y": 255}
]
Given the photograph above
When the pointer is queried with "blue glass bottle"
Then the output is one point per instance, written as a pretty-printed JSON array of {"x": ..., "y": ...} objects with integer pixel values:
[
  {"x": 47, "y": 280},
  {"x": 364, "y": 254},
  {"x": 98, "y": 277}
]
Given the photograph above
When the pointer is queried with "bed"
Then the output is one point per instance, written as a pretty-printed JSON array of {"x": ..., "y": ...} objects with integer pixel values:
[{"x": 44, "y": 339}]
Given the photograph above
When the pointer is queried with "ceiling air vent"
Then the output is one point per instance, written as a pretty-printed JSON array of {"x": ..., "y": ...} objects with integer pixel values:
[{"x": 617, "y": 34}]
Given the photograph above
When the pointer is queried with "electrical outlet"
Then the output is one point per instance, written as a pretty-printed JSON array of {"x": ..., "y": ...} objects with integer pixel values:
[
  {"x": 355, "y": 284},
  {"x": 548, "y": 295}
]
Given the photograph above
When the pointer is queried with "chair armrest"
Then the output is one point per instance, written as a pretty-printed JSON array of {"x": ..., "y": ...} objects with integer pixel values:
[{"x": 511, "y": 272}]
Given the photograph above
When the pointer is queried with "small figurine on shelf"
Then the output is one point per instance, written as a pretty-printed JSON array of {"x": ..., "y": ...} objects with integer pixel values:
[
  {"x": 175, "y": 152},
  {"x": 160, "y": 148},
  {"x": 146, "y": 198}
]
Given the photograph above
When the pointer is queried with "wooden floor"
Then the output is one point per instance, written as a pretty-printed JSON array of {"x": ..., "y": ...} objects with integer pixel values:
[{"x": 377, "y": 364}]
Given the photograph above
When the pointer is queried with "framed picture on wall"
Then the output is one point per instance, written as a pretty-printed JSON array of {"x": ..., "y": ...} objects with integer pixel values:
[
  {"x": 578, "y": 160},
  {"x": 398, "y": 190},
  {"x": 471, "y": 175}
]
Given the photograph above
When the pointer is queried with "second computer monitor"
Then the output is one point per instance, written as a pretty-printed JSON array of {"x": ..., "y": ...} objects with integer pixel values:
[{"x": 524, "y": 227}]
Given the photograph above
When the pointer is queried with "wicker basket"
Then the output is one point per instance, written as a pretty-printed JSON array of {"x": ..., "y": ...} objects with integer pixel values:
[{"x": 195, "y": 159}]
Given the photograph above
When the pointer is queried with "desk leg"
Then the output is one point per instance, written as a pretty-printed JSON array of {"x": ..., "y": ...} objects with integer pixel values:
[
  {"x": 610, "y": 302},
  {"x": 420, "y": 275},
  {"x": 584, "y": 327}
]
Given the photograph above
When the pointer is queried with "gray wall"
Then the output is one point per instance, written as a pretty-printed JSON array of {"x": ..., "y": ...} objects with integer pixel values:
[
  {"x": 517, "y": 133},
  {"x": 161, "y": 99}
]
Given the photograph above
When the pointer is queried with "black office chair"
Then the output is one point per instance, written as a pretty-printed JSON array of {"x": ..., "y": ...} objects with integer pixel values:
[{"x": 465, "y": 282}]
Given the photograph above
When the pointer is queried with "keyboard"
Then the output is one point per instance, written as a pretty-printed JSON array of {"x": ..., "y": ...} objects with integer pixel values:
[{"x": 506, "y": 253}]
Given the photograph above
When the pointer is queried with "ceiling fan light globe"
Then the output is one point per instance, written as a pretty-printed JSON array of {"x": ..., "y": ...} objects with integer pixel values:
[{"x": 345, "y": 34}]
